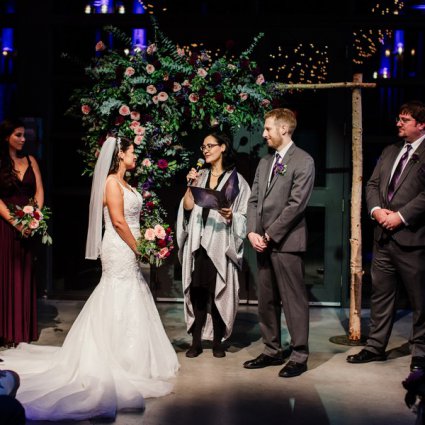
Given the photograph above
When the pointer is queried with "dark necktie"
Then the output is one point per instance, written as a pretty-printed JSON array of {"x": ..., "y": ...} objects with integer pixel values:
[{"x": 397, "y": 172}]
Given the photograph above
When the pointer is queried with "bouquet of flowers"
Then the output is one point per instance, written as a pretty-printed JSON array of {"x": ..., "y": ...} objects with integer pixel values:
[
  {"x": 32, "y": 218},
  {"x": 155, "y": 243}
]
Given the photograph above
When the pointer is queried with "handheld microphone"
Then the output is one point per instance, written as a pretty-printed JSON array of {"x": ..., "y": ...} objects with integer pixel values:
[{"x": 199, "y": 165}]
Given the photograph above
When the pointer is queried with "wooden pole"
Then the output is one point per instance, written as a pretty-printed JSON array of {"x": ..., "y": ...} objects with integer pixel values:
[{"x": 356, "y": 270}]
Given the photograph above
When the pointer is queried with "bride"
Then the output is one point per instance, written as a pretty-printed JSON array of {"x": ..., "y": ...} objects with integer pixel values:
[{"x": 117, "y": 352}]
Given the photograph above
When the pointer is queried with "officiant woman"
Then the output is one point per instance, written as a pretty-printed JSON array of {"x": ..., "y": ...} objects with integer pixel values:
[
  {"x": 211, "y": 248},
  {"x": 20, "y": 181}
]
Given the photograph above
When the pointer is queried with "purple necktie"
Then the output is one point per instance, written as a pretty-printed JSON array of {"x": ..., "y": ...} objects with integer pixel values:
[
  {"x": 275, "y": 166},
  {"x": 397, "y": 172}
]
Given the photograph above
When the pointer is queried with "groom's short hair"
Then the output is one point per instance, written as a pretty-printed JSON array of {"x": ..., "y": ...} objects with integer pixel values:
[{"x": 285, "y": 115}]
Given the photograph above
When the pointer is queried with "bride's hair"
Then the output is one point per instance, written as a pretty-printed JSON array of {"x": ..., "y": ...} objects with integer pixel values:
[{"x": 123, "y": 144}]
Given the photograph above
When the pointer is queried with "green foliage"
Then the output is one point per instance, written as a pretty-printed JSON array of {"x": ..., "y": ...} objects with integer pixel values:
[{"x": 153, "y": 95}]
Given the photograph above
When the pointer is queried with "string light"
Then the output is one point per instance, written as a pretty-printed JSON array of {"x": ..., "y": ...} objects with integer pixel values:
[
  {"x": 366, "y": 43},
  {"x": 305, "y": 63}
]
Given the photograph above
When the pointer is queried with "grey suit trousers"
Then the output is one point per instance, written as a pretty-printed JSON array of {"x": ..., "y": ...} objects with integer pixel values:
[{"x": 281, "y": 284}]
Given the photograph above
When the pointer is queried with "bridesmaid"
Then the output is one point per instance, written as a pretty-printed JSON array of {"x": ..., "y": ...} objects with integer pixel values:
[{"x": 20, "y": 181}]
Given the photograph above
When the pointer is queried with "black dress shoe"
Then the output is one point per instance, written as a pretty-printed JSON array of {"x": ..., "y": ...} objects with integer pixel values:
[
  {"x": 417, "y": 363},
  {"x": 366, "y": 356},
  {"x": 263, "y": 360},
  {"x": 292, "y": 369},
  {"x": 219, "y": 351},
  {"x": 193, "y": 352}
]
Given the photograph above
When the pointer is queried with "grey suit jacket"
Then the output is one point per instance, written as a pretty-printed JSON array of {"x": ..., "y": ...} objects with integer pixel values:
[
  {"x": 409, "y": 195},
  {"x": 279, "y": 209}
]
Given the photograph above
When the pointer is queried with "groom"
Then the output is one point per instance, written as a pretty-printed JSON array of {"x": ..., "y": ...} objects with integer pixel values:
[{"x": 276, "y": 228}]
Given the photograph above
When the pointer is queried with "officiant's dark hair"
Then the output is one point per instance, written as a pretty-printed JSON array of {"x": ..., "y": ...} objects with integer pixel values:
[
  {"x": 229, "y": 155},
  {"x": 123, "y": 145}
]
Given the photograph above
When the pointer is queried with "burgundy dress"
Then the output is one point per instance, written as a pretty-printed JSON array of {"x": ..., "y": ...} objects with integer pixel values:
[{"x": 18, "y": 295}]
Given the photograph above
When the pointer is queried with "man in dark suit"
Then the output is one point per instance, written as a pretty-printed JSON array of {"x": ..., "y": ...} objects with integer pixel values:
[
  {"x": 395, "y": 196},
  {"x": 276, "y": 228}
]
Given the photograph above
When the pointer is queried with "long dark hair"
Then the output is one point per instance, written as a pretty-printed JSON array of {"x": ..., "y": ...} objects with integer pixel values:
[
  {"x": 123, "y": 144},
  {"x": 8, "y": 174},
  {"x": 229, "y": 155}
]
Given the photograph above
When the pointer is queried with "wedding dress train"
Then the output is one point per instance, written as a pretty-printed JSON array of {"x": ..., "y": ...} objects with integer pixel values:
[{"x": 116, "y": 353}]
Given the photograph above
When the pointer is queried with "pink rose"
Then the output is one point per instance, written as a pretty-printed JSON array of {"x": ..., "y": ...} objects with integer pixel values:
[
  {"x": 135, "y": 115},
  {"x": 140, "y": 131},
  {"x": 159, "y": 231},
  {"x": 34, "y": 224},
  {"x": 176, "y": 87},
  {"x": 155, "y": 100},
  {"x": 165, "y": 77},
  {"x": 100, "y": 46},
  {"x": 164, "y": 253},
  {"x": 193, "y": 97},
  {"x": 85, "y": 109},
  {"x": 201, "y": 72},
  {"x": 186, "y": 83},
  {"x": 129, "y": 71},
  {"x": 162, "y": 96},
  {"x": 28, "y": 209},
  {"x": 150, "y": 234},
  {"x": 243, "y": 96},
  {"x": 260, "y": 79},
  {"x": 134, "y": 124},
  {"x": 230, "y": 109},
  {"x": 146, "y": 162},
  {"x": 138, "y": 140},
  {"x": 265, "y": 102},
  {"x": 146, "y": 194},
  {"x": 124, "y": 110},
  {"x": 180, "y": 52},
  {"x": 150, "y": 68},
  {"x": 151, "y": 89}
]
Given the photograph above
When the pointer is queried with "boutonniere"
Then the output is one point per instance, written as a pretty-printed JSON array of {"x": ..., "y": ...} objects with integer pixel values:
[
  {"x": 281, "y": 168},
  {"x": 414, "y": 157}
]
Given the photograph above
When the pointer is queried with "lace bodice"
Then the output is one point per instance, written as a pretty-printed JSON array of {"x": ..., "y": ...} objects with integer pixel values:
[
  {"x": 132, "y": 205},
  {"x": 118, "y": 259}
]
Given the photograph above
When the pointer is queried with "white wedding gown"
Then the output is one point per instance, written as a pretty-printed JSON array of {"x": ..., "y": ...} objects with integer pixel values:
[{"x": 116, "y": 353}]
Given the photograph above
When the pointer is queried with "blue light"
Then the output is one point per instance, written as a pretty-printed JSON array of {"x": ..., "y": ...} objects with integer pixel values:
[
  {"x": 139, "y": 38},
  {"x": 138, "y": 9},
  {"x": 7, "y": 40}
]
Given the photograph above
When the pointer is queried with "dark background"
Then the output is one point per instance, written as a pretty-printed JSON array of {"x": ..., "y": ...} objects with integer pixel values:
[{"x": 36, "y": 82}]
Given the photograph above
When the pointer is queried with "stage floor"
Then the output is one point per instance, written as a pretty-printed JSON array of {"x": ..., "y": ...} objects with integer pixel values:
[{"x": 211, "y": 391}]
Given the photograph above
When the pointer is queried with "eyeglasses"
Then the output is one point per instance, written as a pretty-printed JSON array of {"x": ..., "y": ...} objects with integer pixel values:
[
  {"x": 208, "y": 147},
  {"x": 403, "y": 120}
]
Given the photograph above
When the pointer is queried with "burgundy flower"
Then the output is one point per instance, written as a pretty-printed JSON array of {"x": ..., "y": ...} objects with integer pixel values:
[
  {"x": 161, "y": 243},
  {"x": 216, "y": 77},
  {"x": 119, "y": 120},
  {"x": 147, "y": 118},
  {"x": 244, "y": 63},
  {"x": 162, "y": 164},
  {"x": 219, "y": 97}
]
